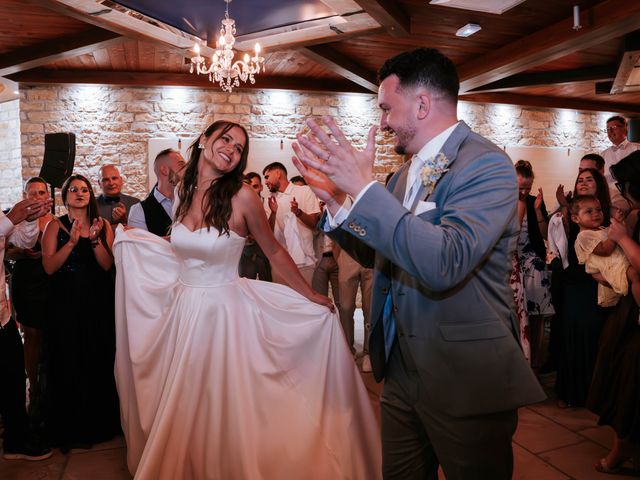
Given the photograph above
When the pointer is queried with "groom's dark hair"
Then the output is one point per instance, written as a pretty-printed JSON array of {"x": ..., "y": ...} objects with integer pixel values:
[{"x": 424, "y": 66}]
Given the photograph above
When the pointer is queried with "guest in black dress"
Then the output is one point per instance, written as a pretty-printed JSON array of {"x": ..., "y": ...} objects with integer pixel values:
[
  {"x": 81, "y": 399},
  {"x": 582, "y": 318},
  {"x": 615, "y": 391}
]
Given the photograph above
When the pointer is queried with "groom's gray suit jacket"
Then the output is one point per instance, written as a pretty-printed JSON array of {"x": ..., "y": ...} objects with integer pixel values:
[{"x": 448, "y": 272}]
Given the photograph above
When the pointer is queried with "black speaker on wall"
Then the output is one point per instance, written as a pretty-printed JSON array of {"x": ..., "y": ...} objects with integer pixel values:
[{"x": 59, "y": 157}]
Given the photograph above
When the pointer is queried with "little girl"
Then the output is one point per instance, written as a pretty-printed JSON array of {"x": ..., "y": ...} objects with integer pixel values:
[{"x": 601, "y": 255}]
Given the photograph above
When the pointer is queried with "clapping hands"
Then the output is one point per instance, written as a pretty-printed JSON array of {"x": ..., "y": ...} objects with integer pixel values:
[
  {"x": 95, "y": 229},
  {"x": 537, "y": 204},
  {"x": 563, "y": 200},
  {"x": 331, "y": 164},
  {"x": 74, "y": 234},
  {"x": 119, "y": 213}
]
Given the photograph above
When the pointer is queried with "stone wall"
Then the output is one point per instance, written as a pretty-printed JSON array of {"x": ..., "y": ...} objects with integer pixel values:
[
  {"x": 113, "y": 124},
  {"x": 510, "y": 125},
  {"x": 10, "y": 165}
]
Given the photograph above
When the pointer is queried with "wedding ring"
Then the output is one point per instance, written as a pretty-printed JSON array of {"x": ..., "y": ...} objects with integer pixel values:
[{"x": 29, "y": 208}]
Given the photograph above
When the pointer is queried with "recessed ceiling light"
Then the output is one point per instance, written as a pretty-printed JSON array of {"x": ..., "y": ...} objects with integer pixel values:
[
  {"x": 468, "y": 30},
  {"x": 438, "y": 2}
]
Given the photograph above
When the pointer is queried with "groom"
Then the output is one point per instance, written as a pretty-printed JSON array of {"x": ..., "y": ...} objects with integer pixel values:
[{"x": 441, "y": 239}]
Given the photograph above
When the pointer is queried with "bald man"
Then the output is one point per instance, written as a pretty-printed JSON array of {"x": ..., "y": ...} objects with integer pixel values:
[
  {"x": 155, "y": 213},
  {"x": 113, "y": 205}
]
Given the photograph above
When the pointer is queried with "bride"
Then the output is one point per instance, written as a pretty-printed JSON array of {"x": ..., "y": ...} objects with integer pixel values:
[{"x": 221, "y": 377}]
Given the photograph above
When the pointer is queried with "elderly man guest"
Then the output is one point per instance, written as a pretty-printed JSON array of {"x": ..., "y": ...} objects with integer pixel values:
[
  {"x": 441, "y": 239},
  {"x": 155, "y": 213},
  {"x": 112, "y": 203},
  {"x": 617, "y": 132}
]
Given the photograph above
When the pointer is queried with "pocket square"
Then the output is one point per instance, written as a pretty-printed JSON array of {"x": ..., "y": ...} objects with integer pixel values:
[{"x": 422, "y": 207}]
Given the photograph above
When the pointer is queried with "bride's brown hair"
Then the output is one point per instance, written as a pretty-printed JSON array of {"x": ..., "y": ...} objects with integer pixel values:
[{"x": 216, "y": 202}]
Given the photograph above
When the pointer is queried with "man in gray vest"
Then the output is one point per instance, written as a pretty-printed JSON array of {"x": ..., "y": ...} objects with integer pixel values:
[
  {"x": 113, "y": 205},
  {"x": 155, "y": 213}
]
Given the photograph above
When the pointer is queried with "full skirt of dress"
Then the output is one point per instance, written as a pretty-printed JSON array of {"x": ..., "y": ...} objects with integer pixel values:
[{"x": 234, "y": 380}]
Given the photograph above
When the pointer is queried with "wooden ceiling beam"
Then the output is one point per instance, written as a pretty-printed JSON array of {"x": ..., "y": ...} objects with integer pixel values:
[
  {"x": 605, "y": 21},
  {"x": 325, "y": 30},
  {"x": 90, "y": 12},
  {"x": 603, "y": 88},
  {"x": 160, "y": 79},
  {"x": 389, "y": 14},
  {"x": 537, "y": 79},
  {"x": 342, "y": 65},
  {"x": 550, "y": 102},
  {"x": 54, "y": 50}
]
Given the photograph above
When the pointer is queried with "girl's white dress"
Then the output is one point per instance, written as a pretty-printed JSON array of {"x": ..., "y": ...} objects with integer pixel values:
[
  {"x": 613, "y": 268},
  {"x": 221, "y": 377}
]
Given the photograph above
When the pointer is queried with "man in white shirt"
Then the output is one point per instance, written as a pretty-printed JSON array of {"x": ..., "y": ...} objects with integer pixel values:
[
  {"x": 617, "y": 133},
  {"x": 293, "y": 213},
  {"x": 155, "y": 213},
  {"x": 19, "y": 227}
]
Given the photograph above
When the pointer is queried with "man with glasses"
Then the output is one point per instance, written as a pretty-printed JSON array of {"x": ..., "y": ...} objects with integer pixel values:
[{"x": 617, "y": 133}]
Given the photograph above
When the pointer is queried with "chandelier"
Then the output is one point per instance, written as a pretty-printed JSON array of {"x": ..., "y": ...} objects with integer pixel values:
[{"x": 223, "y": 70}]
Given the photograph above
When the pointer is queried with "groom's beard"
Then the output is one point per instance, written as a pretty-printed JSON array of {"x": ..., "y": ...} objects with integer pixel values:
[{"x": 404, "y": 136}]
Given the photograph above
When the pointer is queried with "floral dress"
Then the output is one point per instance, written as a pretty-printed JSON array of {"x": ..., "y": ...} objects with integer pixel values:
[
  {"x": 517, "y": 286},
  {"x": 535, "y": 275}
]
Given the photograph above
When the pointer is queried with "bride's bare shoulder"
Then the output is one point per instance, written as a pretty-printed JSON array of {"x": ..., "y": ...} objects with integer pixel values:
[{"x": 246, "y": 196}]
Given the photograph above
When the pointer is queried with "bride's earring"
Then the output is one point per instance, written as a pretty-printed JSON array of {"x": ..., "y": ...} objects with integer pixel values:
[{"x": 201, "y": 146}]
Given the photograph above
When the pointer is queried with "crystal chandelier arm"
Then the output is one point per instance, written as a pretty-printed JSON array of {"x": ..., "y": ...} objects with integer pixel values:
[{"x": 223, "y": 70}]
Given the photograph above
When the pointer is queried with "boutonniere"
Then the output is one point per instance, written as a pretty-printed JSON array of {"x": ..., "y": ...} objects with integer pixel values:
[{"x": 433, "y": 170}]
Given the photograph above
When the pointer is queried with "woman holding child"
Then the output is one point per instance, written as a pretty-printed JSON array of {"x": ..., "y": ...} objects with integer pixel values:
[
  {"x": 582, "y": 318},
  {"x": 615, "y": 391}
]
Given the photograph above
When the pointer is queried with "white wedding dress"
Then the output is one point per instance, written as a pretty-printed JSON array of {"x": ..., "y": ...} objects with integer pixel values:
[{"x": 226, "y": 378}]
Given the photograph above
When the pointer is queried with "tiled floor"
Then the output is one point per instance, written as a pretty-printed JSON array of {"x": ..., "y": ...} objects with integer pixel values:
[{"x": 550, "y": 444}]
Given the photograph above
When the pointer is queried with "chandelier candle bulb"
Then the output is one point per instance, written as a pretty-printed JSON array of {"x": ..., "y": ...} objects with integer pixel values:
[{"x": 223, "y": 70}]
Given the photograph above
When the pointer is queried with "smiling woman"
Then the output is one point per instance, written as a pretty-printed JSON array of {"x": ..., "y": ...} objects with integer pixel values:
[{"x": 259, "y": 375}]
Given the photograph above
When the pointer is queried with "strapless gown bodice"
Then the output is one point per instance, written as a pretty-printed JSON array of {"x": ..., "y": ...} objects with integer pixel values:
[
  {"x": 206, "y": 258},
  {"x": 225, "y": 378}
]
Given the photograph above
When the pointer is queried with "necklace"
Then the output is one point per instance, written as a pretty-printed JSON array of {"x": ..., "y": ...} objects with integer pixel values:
[{"x": 210, "y": 180}]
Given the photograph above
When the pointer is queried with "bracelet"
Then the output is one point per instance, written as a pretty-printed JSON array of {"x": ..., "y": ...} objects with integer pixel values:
[
  {"x": 298, "y": 213},
  {"x": 95, "y": 243}
]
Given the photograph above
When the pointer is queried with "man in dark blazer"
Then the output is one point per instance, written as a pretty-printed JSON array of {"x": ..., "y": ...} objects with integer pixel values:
[{"x": 441, "y": 240}]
